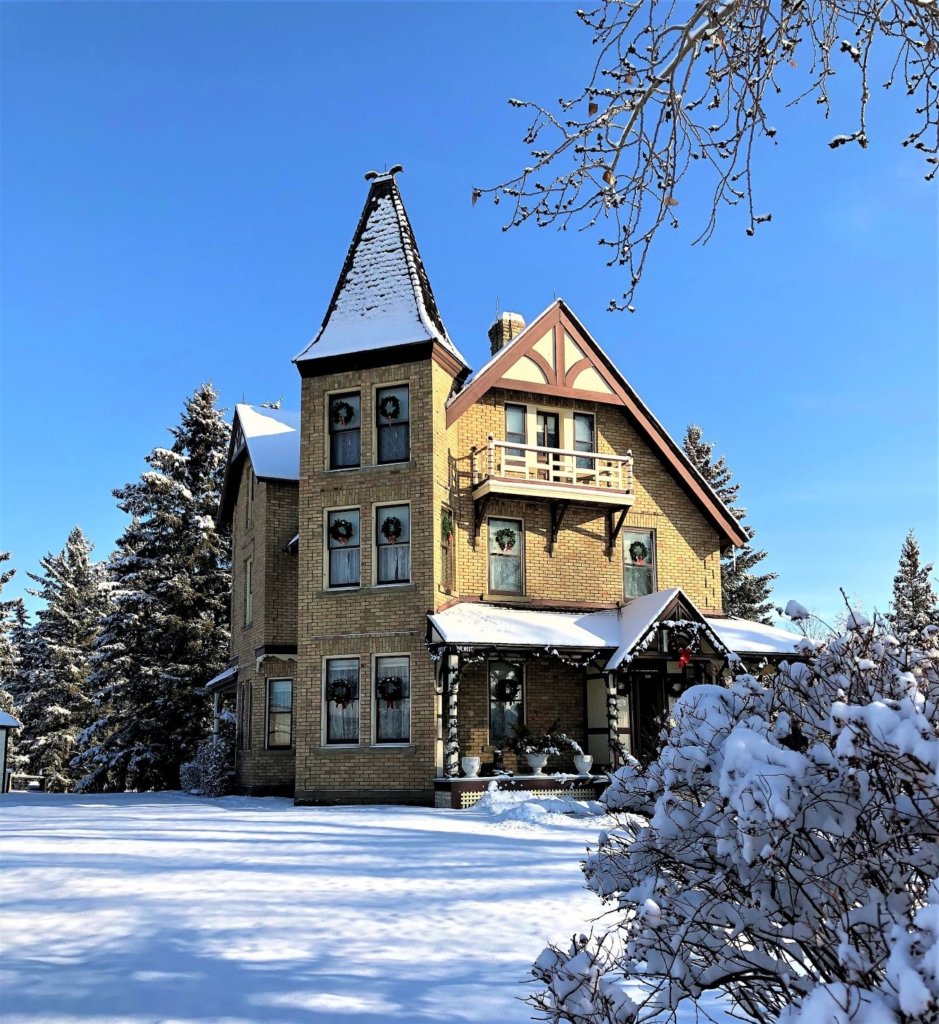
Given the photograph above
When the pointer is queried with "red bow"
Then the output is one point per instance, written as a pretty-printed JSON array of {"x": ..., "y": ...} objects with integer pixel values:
[{"x": 684, "y": 657}]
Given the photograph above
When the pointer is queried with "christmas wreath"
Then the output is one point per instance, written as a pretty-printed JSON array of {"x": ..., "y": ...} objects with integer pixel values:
[
  {"x": 341, "y": 692},
  {"x": 341, "y": 531},
  {"x": 506, "y": 691},
  {"x": 391, "y": 690},
  {"x": 638, "y": 552},
  {"x": 342, "y": 412},
  {"x": 389, "y": 407},
  {"x": 391, "y": 529},
  {"x": 506, "y": 538}
]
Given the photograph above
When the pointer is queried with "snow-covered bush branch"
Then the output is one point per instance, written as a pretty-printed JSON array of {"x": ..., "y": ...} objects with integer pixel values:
[{"x": 791, "y": 856}]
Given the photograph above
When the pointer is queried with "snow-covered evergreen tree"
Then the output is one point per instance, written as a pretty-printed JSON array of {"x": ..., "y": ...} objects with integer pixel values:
[
  {"x": 914, "y": 604},
  {"x": 56, "y": 701},
  {"x": 745, "y": 593},
  {"x": 12, "y": 616},
  {"x": 166, "y": 632},
  {"x": 786, "y": 856}
]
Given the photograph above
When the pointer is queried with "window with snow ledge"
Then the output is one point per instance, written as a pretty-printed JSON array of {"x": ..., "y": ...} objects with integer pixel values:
[
  {"x": 393, "y": 424},
  {"x": 343, "y": 541},
  {"x": 638, "y": 563},
  {"x": 345, "y": 430},
  {"x": 506, "y": 574},
  {"x": 393, "y": 543},
  {"x": 392, "y": 677},
  {"x": 341, "y": 700},
  {"x": 279, "y": 713},
  {"x": 506, "y": 700}
]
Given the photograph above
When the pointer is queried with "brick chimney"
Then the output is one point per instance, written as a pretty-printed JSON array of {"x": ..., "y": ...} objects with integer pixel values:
[{"x": 504, "y": 330}]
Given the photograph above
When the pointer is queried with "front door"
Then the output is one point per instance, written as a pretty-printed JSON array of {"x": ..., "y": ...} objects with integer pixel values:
[{"x": 650, "y": 707}]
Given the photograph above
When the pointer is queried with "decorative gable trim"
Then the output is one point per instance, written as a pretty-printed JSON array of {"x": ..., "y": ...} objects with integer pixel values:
[{"x": 556, "y": 356}]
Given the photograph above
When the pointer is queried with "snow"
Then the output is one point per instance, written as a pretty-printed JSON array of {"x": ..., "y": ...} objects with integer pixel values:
[
  {"x": 137, "y": 908},
  {"x": 797, "y": 612},
  {"x": 273, "y": 439},
  {"x": 476, "y": 624},
  {"x": 7, "y": 721},
  {"x": 635, "y": 620},
  {"x": 380, "y": 302},
  {"x": 745, "y": 637},
  {"x": 223, "y": 677}
]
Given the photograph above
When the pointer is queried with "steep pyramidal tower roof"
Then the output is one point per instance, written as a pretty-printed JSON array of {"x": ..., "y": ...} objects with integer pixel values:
[{"x": 383, "y": 297}]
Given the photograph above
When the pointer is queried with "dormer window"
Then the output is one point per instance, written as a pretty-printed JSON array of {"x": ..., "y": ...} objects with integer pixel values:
[
  {"x": 345, "y": 430},
  {"x": 392, "y": 420}
]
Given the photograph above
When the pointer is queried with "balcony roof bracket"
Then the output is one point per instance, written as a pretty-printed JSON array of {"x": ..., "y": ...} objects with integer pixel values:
[
  {"x": 558, "y": 508},
  {"x": 614, "y": 523},
  {"x": 479, "y": 514}
]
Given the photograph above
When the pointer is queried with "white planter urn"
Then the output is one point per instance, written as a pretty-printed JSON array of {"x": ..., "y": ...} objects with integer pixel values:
[
  {"x": 470, "y": 766},
  {"x": 537, "y": 762},
  {"x": 583, "y": 763}
]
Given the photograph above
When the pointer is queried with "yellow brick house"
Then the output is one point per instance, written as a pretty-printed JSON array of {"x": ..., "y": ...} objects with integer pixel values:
[{"x": 425, "y": 556}]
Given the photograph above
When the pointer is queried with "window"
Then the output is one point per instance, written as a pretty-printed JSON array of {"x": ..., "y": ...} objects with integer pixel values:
[
  {"x": 505, "y": 556},
  {"x": 392, "y": 418},
  {"x": 249, "y": 499},
  {"x": 393, "y": 540},
  {"x": 393, "y": 699},
  {"x": 639, "y": 562},
  {"x": 505, "y": 700},
  {"x": 515, "y": 429},
  {"x": 584, "y": 438},
  {"x": 279, "y": 712},
  {"x": 345, "y": 430},
  {"x": 447, "y": 550},
  {"x": 342, "y": 542},
  {"x": 342, "y": 700},
  {"x": 249, "y": 591}
]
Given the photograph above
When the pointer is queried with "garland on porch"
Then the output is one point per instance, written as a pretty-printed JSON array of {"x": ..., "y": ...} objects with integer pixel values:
[
  {"x": 341, "y": 692},
  {"x": 390, "y": 690}
]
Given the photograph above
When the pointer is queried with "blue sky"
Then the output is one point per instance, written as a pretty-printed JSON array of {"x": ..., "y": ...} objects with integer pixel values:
[{"x": 181, "y": 181}]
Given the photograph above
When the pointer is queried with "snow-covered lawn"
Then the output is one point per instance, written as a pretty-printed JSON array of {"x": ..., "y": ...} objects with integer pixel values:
[{"x": 165, "y": 907}]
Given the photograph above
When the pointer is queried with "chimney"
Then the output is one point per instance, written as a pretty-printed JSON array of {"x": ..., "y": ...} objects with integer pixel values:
[{"x": 504, "y": 330}]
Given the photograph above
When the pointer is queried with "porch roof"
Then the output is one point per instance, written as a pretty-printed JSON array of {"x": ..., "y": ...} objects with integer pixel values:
[
  {"x": 222, "y": 680},
  {"x": 7, "y": 721},
  {"x": 745, "y": 637}
]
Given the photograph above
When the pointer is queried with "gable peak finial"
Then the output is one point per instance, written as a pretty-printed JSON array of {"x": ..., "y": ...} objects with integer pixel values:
[{"x": 376, "y": 175}]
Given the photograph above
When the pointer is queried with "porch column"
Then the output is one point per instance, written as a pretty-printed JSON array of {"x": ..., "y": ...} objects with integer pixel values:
[
  {"x": 451, "y": 754},
  {"x": 612, "y": 720},
  {"x": 215, "y": 712}
]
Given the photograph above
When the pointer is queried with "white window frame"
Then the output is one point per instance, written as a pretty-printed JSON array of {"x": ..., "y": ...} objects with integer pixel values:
[
  {"x": 249, "y": 591},
  {"x": 506, "y": 593},
  {"x": 653, "y": 533},
  {"x": 375, "y": 742},
  {"x": 375, "y": 528},
  {"x": 267, "y": 712},
  {"x": 324, "y": 704},
  {"x": 328, "y": 433},
  {"x": 375, "y": 389},
  {"x": 326, "y": 581}
]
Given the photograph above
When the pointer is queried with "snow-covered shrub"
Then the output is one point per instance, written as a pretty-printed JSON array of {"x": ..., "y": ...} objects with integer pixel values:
[
  {"x": 791, "y": 856},
  {"x": 212, "y": 771}
]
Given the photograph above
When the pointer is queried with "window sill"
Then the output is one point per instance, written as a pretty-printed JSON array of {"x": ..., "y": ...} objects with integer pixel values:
[
  {"x": 507, "y": 598},
  {"x": 371, "y": 467},
  {"x": 339, "y": 748},
  {"x": 371, "y": 748},
  {"x": 375, "y": 588}
]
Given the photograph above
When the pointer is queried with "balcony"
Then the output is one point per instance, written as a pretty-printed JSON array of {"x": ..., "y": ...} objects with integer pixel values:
[{"x": 560, "y": 476}]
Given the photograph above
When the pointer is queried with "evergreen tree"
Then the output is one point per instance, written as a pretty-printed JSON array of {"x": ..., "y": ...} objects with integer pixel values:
[
  {"x": 914, "y": 604},
  {"x": 12, "y": 614},
  {"x": 56, "y": 704},
  {"x": 745, "y": 593},
  {"x": 166, "y": 631}
]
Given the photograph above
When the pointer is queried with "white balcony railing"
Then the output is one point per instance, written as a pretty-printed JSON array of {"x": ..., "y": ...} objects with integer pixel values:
[{"x": 509, "y": 460}]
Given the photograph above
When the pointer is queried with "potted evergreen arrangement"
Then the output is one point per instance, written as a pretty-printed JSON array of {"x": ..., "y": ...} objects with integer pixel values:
[{"x": 536, "y": 748}]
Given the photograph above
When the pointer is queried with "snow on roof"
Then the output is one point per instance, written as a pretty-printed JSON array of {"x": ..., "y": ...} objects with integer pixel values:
[
  {"x": 484, "y": 625},
  {"x": 745, "y": 637},
  {"x": 223, "y": 678},
  {"x": 7, "y": 721},
  {"x": 273, "y": 440},
  {"x": 635, "y": 620},
  {"x": 383, "y": 296}
]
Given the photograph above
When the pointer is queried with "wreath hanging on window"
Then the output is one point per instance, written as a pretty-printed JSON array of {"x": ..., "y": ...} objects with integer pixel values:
[
  {"x": 341, "y": 531},
  {"x": 341, "y": 692},
  {"x": 506, "y": 691},
  {"x": 390, "y": 690},
  {"x": 446, "y": 526},
  {"x": 506, "y": 538},
  {"x": 389, "y": 407},
  {"x": 391, "y": 529},
  {"x": 638, "y": 552},
  {"x": 342, "y": 412}
]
